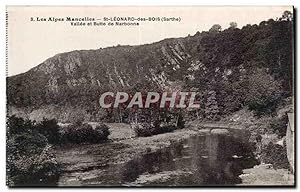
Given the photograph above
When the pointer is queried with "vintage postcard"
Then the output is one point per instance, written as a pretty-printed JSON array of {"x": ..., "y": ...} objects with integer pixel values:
[{"x": 137, "y": 96}]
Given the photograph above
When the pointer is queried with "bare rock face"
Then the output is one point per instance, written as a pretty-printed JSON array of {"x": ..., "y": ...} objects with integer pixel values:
[
  {"x": 77, "y": 78},
  {"x": 119, "y": 67}
]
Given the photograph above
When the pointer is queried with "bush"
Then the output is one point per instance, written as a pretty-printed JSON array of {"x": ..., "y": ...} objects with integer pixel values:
[
  {"x": 38, "y": 169},
  {"x": 29, "y": 160},
  {"x": 25, "y": 144},
  {"x": 143, "y": 130},
  {"x": 264, "y": 93},
  {"x": 279, "y": 125},
  {"x": 103, "y": 132},
  {"x": 264, "y": 105},
  {"x": 17, "y": 125},
  {"x": 148, "y": 129},
  {"x": 84, "y": 133},
  {"x": 50, "y": 129},
  {"x": 276, "y": 155}
]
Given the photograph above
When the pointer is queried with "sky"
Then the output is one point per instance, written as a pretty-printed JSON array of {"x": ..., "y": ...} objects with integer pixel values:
[{"x": 32, "y": 42}]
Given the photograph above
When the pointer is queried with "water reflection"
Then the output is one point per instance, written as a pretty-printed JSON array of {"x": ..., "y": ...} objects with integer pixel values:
[{"x": 199, "y": 160}]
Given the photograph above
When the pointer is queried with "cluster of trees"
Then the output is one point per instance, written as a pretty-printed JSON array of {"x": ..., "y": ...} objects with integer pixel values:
[
  {"x": 248, "y": 67},
  {"x": 251, "y": 66}
]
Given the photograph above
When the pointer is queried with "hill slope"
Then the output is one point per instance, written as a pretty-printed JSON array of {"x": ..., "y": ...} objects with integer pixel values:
[{"x": 209, "y": 61}]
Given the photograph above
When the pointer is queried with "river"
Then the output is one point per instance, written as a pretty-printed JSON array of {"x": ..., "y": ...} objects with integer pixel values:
[{"x": 206, "y": 158}]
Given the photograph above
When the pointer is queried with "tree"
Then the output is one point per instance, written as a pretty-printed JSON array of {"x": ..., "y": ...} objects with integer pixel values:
[
  {"x": 233, "y": 25},
  {"x": 211, "y": 106},
  {"x": 263, "y": 93},
  {"x": 287, "y": 16},
  {"x": 50, "y": 129},
  {"x": 277, "y": 52},
  {"x": 215, "y": 28}
]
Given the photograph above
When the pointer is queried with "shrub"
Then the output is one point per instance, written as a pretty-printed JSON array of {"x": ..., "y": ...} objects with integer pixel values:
[
  {"x": 143, "y": 130},
  {"x": 264, "y": 93},
  {"x": 166, "y": 129},
  {"x": 84, "y": 133},
  {"x": 17, "y": 125},
  {"x": 264, "y": 105},
  {"x": 279, "y": 125},
  {"x": 148, "y": 129},
  {"x": 276, "y": 155},
  {"x": 26, "y": 143},
  {"x": 211, "y": 106},
  {"x": 50, "y": 129},
  {"x": 103, "y": 132},
  {"x": 29, "y": 160},
  {"x": 37, "y": 169}
]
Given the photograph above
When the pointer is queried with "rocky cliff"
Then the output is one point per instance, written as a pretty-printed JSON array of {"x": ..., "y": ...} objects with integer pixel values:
[{"x": 73, "y": 81}]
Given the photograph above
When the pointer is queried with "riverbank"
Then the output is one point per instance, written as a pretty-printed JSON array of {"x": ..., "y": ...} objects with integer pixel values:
[
  {"x": 192, "y": 156},
  {"x": 82, "y": 163},
  {"x": 265, "y": 174}
]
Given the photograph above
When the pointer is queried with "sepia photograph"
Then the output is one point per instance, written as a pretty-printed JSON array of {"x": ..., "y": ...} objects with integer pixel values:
[{"x": 150, "y": 96}]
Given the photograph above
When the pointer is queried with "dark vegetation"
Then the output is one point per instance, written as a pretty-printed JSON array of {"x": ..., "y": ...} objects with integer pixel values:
[
  {"x": 146, "y": 129},
  {"x": 29, "y": 157},
  {"x": 251, "y": 68},
  {"x": 275, "y": 155},
  {"x": 30, "y": 160},
  {"x": 151, "y": 121},
  {"x": 278, "y": 125},
  {"x": 84, "y": 133},
  {"x": 259, "y": 61}
]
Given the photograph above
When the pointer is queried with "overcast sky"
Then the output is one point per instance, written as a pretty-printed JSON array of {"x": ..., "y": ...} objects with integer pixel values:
[{"x": 31, "y": 43}]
